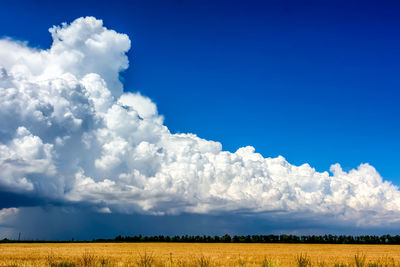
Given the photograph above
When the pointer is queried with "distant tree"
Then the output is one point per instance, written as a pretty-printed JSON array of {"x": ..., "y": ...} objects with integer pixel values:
[{"x": 226, "y": 238}]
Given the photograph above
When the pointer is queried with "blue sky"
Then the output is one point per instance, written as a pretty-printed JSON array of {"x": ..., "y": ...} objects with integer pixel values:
[
  {"x": 316, "y": 82},
  {"x": 313, "y": 81}
]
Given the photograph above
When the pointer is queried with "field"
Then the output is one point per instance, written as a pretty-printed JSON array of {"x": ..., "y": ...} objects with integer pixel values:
[{"x": 198, "y": 254}]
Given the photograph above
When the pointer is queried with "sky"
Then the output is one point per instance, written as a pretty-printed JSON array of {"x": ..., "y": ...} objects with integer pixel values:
[{"x": 214, "y": 116}]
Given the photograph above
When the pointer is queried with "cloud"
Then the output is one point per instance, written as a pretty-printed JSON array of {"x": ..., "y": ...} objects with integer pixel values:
[
  {"x": 71, "y": 135},
  {"x": 6, "y": 213}
]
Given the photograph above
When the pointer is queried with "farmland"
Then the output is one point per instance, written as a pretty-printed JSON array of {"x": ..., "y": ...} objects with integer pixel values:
[{"x": 197, "y": 254}]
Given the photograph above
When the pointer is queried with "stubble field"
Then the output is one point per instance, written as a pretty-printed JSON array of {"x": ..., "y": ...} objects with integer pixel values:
[{"x": 198, "y": 254}]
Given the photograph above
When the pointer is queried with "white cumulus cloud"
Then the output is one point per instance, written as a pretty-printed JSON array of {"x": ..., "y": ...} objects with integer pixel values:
[{"x": 69, "y": 133}]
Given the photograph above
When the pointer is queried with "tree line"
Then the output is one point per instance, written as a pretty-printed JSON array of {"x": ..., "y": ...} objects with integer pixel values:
[{"x": 306, "y": 239}]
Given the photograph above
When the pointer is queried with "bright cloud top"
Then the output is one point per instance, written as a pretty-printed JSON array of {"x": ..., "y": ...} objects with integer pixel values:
[{"x": 70, "y": 134}]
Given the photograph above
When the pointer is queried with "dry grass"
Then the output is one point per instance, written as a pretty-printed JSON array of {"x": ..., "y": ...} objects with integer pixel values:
[{"x": 195, "y": 254}]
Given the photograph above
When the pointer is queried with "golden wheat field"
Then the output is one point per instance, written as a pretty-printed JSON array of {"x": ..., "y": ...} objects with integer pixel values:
[{"x": 197, "y": 254}]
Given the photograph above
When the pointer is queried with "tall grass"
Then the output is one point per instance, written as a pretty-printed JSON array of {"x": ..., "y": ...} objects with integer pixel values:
[
  {"x": 303, "y": 260},
  {"x": 51, "y": 261},
  {"x": 267, "y": 262},
  {"x": 145, "y": 260},
  {"x": 88, "y": 259},
  {"x": 149, "y": 259},
  {"x": 203, "y": 261},
  {"x": 359, "y": 260}
]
